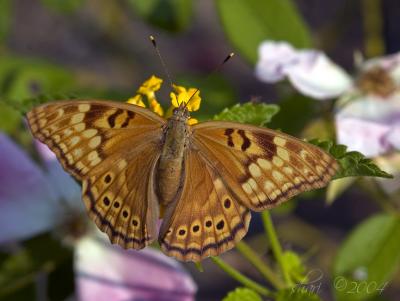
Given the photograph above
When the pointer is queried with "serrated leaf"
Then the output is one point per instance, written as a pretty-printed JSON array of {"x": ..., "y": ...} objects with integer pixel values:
[
  {"x": 352, "y": 164},
  {"x": 172, "y": 15},
  {"x": 250, "y": 113},
  {"x": 242, "y": 294},
  {"x": 299, "y": 293},
  {"x": 294, "y": 266},
  {"x": 248, "y": 23},
  {"x": 368, "y": 258}
]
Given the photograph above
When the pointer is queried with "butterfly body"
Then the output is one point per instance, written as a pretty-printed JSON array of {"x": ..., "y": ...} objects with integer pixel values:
[
  {"x": 170, "y": 168},
  {"x": 208, "y": 176}
]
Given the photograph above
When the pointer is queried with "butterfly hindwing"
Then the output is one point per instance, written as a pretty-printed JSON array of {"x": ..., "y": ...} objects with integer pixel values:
[
  {"x": 206, "y": 219},
  {"x": 113, "y": 149},
  {"x": 262, "y": 167},
  {"x": 120, "y": 198}
]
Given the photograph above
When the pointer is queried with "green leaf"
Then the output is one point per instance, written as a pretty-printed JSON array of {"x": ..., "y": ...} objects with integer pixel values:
[
  {"x": 5, "y": 18},
  {"x": 171, "y": 15},
  {"x": 26, "y": 104},
  {"x": 368, "y": 258},
  {"x": 352, "y": 164},
  {"x": 22, "y": 79},
  {"x": 242, "y": 294},
  {"x": 294, "y": 266},
  {"x": 248, "y": 23},
  {"x": 250, "y": 113},
  {"x": 9, "y": 118},
  {"x": 199, "y": 266},
  {"x": 298, "y": 293}
]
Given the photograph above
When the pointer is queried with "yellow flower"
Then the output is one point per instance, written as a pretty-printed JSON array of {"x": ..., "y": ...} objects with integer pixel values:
[
  {"x": 150, "y": 86},
  {"x": 192, "y": 121},
  {"x": 156, "y": 107},
  {"x": 137, "y": 100},
  {"x": 147, "y": 89},
  {"x": 181, "y": 95}
]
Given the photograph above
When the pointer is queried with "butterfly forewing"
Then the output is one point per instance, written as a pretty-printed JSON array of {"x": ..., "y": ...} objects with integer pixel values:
[
  {"x": 206, "y": 219},
  {"x": 262, "y": 167},
  {"x": 113, "y": 149},
  {"x": 83, "y": 133}
]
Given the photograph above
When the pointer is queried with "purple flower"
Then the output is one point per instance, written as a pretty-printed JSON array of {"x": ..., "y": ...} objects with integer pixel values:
[{"x": 33, "y": 200}]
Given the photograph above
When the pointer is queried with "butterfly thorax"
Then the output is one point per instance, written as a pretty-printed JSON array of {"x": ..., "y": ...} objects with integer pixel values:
[{"x": 170, "y": 168}]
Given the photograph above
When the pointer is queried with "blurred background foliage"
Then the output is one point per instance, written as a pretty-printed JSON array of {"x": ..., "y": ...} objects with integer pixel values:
[{"x": 54, "y": 49}]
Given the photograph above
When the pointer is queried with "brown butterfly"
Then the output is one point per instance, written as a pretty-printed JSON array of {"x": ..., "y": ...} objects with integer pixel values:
[{"x": 207, "y": 176}]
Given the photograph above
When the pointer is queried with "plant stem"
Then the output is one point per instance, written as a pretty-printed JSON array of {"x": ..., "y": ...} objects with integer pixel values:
[
  {"x": 259, "y": 264},
  {"x": 235, "y": 274},
  {"x": 275, "y": 245},
  {"x": 373, "y": 27}
]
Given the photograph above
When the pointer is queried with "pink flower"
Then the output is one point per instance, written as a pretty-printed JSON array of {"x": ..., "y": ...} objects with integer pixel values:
[
  {"x": 33, "y": 200},
  {"x": 368, "y": 111},
  {"x": 310, "y": 71},
  {"x": 105, "y": 272},
  {"x": 369, "y": 125}
]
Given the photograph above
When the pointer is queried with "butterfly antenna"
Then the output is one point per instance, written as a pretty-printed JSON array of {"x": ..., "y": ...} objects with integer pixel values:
[
  {"x": 211, "y": 73},
  {"x": 153, "y": 41}
]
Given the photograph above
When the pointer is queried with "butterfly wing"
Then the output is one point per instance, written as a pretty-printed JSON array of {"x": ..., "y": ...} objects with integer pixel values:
[
  {"x": 207, "y": 219},
  {"x": 113, "y": 149},
  {"x": 262, "y": 167}
]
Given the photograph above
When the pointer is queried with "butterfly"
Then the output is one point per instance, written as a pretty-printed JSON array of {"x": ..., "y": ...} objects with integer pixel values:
[{"x": 207, "y": 176}]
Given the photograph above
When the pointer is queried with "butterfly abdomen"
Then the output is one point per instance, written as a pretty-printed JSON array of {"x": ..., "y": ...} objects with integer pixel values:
[{"x": 169, "y": 174}]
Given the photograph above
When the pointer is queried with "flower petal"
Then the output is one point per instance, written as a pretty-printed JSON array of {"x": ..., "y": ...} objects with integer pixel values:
[
  {"x": 27, "y": 200},
  {"x": 373, "y": 109},
  {"x": 393, "y": 136},
  {"x": 274, "y": 58},
  {"x": 107, "y": 272},
  {"x": 362, "y": 135},
  {"x": 63, "y": 184},
  {"x": 136, "y": 100},
  {"x": 370, "y": 125},
  {"x": 390, "y": 63},
  {"x": 311, "y": 72},
  {"x": 194, "y": 99},
  {"x": 174, "y": 99},
  {"x": 190, "y": 96},
  {"x": 150, "y": 86},
  {"x": 315, "y": 75}
]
